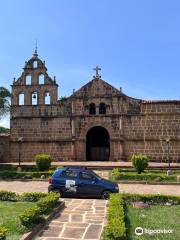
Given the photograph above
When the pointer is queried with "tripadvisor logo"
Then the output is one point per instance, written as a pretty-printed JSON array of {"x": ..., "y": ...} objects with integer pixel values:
[{"x": 139, "y": 231}]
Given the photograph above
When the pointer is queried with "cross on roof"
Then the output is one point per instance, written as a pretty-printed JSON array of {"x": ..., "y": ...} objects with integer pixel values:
[{"x": 97, "y": 69}]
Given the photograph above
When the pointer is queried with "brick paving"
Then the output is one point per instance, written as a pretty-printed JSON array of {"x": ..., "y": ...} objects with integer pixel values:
[{"x": 81, "y": 219}]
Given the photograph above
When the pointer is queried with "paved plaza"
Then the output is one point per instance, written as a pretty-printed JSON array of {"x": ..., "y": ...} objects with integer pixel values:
[{"x": 41, "y": 186}]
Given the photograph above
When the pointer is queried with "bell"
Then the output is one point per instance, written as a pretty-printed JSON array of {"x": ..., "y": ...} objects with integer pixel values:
[{"x": 34, "y": 96}]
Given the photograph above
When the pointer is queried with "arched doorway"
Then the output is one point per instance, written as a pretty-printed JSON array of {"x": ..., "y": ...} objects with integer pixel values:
[{"x": 97, "y": 144}]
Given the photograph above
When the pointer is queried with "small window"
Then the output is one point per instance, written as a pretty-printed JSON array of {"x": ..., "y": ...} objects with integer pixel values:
[
  {"x": 28, "y": 80},
  {"x": 102, "y": 108},
  {"x": 70, "y": 174},
  {"x": 92, "y": 109},
  {"x": 34, "y": 98},
  {"x": 86, "y": 176},
  {"x": 47, "y": 98},
  {"x": 21, "y": 98},
  {"x": 41, "y": 79},
  {"x": 35, "y": 64}
]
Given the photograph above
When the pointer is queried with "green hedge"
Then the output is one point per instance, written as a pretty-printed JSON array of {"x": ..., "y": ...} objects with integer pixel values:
[
  {"x": 146, "y": 176},
  {"x": 29, "y": 197},
  {"x": 7, "y": 196},
  {"x": 3, "y": 232},
  {"x": 31, "y": 216},
  {"x": 151, "y": 198},
  {"x": 35, "y": 215},
  {"x": 115, "y": 228},
  {"x": 24, "y": 175}
]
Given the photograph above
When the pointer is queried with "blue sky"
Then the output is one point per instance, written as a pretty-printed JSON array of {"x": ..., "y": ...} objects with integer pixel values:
[{"x": 135, "y": 42}]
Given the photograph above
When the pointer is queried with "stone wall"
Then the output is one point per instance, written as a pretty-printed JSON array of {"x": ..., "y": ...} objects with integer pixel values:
[{"x": 4, "y": 147}]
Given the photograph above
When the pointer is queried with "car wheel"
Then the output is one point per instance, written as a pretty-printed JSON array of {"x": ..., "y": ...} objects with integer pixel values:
[{"x": 105, "y": 195}]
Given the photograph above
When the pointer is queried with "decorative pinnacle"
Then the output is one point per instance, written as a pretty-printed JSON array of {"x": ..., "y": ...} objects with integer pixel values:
[
  {"x": 97, "y": 69},
  {"x": 35, "y": 54}
]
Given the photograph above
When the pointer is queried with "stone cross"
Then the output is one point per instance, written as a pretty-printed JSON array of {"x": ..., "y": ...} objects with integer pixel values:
[{"x": 97, "y": 69}]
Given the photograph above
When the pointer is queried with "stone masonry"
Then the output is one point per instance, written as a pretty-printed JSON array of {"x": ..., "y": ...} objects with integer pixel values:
[{"x": 97, "y": 122}]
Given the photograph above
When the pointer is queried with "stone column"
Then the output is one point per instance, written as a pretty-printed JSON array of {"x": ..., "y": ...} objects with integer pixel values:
[
  {"x": 122, "y": 150},
  {"x": 73, "y": 151}
]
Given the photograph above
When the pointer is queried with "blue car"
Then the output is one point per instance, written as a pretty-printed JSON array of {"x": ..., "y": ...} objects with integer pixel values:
[{"x": 81, "y": 182}]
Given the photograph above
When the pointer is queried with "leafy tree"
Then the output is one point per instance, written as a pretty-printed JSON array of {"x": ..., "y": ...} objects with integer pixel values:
[
  {"x": 4, "y": 130},
  {"x": 4, "y": 101}
]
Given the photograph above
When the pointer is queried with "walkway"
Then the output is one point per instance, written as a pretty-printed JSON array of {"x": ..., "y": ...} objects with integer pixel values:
[
  {"x": 81, "y": 219},
  {"x": 41, "y": 186},
  {"x": 104, "y": 165}
]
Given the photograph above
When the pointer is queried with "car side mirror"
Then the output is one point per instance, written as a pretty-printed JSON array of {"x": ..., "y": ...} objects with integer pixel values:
[{"x": 94, "y": 180}]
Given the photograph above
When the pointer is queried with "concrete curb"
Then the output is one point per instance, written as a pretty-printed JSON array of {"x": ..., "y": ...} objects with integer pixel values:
[
  {"x": 37, "y": 228},
  {"x": 148, "y": 183}
]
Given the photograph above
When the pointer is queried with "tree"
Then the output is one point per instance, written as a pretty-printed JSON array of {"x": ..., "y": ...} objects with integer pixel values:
[
  {"x": 4, "y": 101},
  {"x": 4, "y": 130}
]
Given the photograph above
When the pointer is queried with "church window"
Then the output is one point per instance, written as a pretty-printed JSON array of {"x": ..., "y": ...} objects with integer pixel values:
[
  {"x": 47, "y": 98},
  {"x": 34, "y": 98},
  {"x": 35, "y": 64},
  {"x": 41, "y": 79},
  {"x": 28, "y": 80},
  {"x": 102, "y": 108},
  {"x": 21, "y": 98},
  {"x": 92, "y": 109}
]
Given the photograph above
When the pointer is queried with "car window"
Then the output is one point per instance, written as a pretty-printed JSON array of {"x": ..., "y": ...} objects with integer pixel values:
[
  {"x": 70, "y": 174},
  {"x": 86, "y": 176}
]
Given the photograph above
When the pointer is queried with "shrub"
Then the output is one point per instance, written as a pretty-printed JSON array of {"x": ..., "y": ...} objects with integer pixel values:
[
  {"x": 140, "y": 162},
  {"x": 115, "y": 172},
  {"x": 115, "y": 229},
  {"x": 7, "y": 196},
  {"x": 3, "y": 232},
  {"x": 31, "y": 216},
  {"x": 49, "y": 202},
  {"x": 34, "y": 215},
  {"x": 43, "y": 162},
  {"x": 32, "y": 196}
]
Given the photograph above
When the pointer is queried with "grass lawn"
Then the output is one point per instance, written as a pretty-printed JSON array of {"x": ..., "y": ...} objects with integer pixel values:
[
  {"x": 9, "y": 212},
  {"x": 155, "y": 217}
]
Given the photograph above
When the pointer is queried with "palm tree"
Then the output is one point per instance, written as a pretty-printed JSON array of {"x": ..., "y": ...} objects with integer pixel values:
[{"x": 4, "y": 101}]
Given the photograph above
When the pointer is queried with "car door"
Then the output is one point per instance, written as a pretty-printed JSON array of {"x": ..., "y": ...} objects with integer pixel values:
[
  {"x": 87, "y": 185},
  {"x": 69, "y": 182}
]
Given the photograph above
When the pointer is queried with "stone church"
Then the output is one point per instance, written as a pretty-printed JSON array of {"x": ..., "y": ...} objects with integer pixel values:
[{"x": 96, "y": 123}]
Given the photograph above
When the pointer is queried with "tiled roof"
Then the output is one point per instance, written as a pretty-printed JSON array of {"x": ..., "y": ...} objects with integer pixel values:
[{"x": 161, "y": 101}]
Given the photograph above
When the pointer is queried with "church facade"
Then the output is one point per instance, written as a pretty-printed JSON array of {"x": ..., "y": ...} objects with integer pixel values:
[{"x": 96, "y": 123}]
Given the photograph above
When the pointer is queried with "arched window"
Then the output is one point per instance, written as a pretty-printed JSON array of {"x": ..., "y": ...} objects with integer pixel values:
[
  {"x": 21, "y": 98},
  {"x": 102, "y": 108},
  {"x": 92, "y": 109},
  {"x": 28, "y": 80},
  {"x": 47, "y": 98},
  {"x": 35, "y": 64},
  {"x": 41, "y": 79},
  {"x": 34, "y": 98}
]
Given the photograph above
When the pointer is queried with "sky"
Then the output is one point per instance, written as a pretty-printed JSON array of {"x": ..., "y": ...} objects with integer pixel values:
[{"x": 135, "y": 42}]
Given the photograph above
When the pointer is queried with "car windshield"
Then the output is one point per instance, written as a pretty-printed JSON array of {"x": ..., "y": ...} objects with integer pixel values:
[{"x": 97, "y": 176}]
